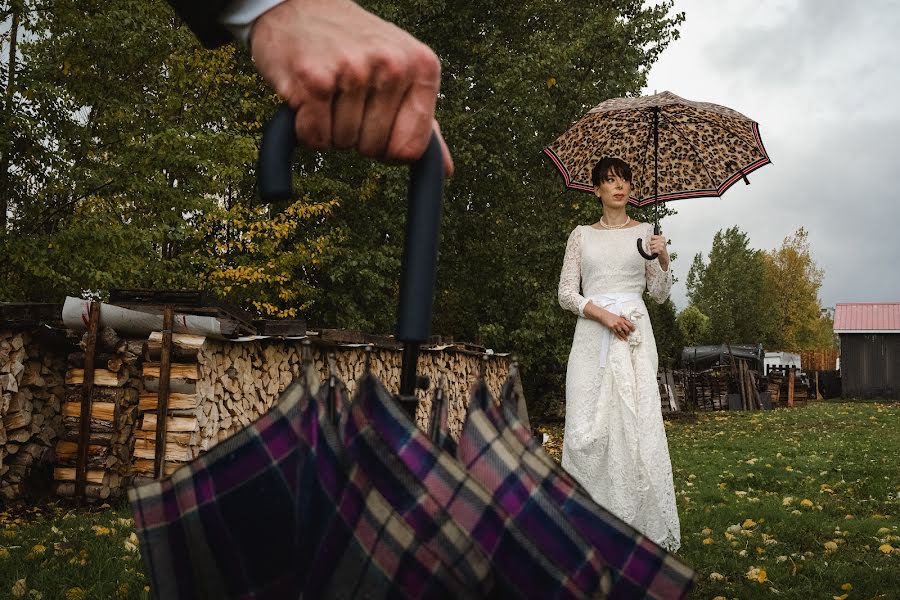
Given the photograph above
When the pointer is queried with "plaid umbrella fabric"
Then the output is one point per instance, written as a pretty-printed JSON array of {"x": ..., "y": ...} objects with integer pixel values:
[
  {"x": 520, "y": 564},
  {"x": 703, "y": 148},
  {"x": 638, "y": 567}
]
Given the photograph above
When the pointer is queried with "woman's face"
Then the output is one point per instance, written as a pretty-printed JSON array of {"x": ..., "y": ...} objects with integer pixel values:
[{"x": 613, "y": 191}]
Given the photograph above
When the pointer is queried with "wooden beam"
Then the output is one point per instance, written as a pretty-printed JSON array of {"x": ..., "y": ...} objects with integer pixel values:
[
  {"x": 87, "y": 385},
  {"x": 162, "y": 404}
]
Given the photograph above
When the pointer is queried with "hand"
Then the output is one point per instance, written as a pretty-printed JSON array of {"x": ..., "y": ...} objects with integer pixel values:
[
  {"x": 658, "y": 245},
  {"x": 355, "y": 80},
  {"x": 620, "y": 326}
]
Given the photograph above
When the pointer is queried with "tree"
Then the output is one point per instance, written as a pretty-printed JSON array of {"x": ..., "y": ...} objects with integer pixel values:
[
  {"x": 792, "y": 282},
  {"x": 729, "y": 290},
  {"x": 693, "y": 325}
]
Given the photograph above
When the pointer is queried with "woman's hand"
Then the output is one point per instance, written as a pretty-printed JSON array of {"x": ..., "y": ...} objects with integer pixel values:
[
  {"x": 619, "y": 325},
  {"x": 658, "y": 245}
]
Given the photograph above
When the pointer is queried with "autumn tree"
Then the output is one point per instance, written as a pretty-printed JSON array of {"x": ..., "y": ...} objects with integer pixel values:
[{"x": 792, "y": 283}]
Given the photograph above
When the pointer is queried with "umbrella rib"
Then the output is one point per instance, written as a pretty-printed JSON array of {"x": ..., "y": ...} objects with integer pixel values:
[
  {"x": 578, "y": 168},
  {"x": 693, "y": 147}
]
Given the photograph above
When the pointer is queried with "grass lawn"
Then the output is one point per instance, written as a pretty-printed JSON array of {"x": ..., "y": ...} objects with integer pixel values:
[
  {"x": 800, "y": 503},
  {"x": 793, "y": 503}
]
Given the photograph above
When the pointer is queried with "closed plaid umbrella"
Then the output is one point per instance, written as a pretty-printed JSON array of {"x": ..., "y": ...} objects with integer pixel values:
[{"x": 676, "y": 148}]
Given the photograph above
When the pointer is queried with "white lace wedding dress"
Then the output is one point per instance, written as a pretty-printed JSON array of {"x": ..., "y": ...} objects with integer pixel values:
[{"x": 615, "y": 442}]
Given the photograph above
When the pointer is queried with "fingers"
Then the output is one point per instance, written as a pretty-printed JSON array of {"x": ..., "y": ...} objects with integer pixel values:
[{"x": 413, "y": 124}]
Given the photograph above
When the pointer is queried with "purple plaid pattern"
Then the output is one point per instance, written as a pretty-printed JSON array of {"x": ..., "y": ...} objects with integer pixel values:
[
  {"x": 367, "y": 551},
  {"x": 271, "y": 513},
  {"x": 502, "y": 471},
  {"x": 196, "y": 527},
  {"x": 639, "y": 567},
  {"x": 425, "y": 476}
]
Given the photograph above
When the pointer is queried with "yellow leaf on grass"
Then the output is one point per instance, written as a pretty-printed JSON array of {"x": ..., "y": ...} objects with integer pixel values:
[
  {"x": 551, "y": 82},
  {"x": 757, "y": 574},
  {"x": 706, "y": 531},
  {"x": 19, "y": 588},
  {"x": 831, "y": 547},
  {"x": 847, "y": 587},
  {"x": 886, "y": 548},
  {"x": 748, "y": 524},
  {"x": 806, "y": 502},
  {"x": 707, "y": 541}
]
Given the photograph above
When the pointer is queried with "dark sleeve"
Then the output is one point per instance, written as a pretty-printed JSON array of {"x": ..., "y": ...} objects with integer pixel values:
[{"x": 202, "y": 16}]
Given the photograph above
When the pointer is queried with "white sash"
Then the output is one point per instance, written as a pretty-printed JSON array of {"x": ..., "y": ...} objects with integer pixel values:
[{"x": 614, "y": 302}]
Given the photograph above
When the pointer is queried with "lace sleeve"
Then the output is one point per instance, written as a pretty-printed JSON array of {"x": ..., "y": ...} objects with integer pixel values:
[
  {"x": 659, "y": 282},
  {"x": 570, "y": 297}
]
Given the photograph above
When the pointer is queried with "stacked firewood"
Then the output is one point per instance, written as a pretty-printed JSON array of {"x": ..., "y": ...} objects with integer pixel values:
[
  {"x": 217, "y": 388},
  {"x": 31, "y": 392},
  {"x": 113, "y": 411}
]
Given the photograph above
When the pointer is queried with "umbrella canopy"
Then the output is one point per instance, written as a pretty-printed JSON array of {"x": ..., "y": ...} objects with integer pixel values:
[{"x": 676, "y": 148}]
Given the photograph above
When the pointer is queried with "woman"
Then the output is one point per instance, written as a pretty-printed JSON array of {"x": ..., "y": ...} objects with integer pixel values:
[{"x": 615, "y": 442}]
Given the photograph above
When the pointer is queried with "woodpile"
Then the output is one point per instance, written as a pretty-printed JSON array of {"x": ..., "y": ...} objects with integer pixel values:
[
  {"x": 31, "y": 392},
  {"x": 113, "y": 412},
  {"x": 217, "y": 388}
]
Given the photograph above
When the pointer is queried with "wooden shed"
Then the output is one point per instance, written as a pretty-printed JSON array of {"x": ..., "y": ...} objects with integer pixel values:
[{"x": 870, "y": 349}]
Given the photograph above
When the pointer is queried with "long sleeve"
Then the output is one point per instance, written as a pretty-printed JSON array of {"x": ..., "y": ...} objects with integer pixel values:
[
  {"x": 659, "y": 282},
  {"x": 569, "y": 293},
  {"x": 214, "y": 22}
]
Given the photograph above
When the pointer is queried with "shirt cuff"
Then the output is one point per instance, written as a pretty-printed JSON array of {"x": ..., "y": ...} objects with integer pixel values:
[{"x": 240, "y": 15}]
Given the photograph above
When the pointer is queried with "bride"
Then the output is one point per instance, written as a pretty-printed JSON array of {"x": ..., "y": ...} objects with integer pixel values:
[{"x": 615, "y": 442}]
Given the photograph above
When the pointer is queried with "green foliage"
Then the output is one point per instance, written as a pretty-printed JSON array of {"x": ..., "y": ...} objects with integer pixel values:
[
  {"x": 729, "y": 290},
  {"x": 133, "y": 151},
  {"x": 669, "y": 339},
  {"x": 693, "y": 325}
]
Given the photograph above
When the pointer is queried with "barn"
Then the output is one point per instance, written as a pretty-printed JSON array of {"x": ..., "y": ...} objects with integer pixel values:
[{"x": 870, "y": 349}]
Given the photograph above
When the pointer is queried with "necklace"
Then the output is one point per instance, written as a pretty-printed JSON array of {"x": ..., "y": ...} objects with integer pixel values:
[{"x": 605, "y": 226}]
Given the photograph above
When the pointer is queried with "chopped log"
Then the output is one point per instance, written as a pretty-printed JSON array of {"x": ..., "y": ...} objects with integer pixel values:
[
  {"x": 145, "y": 466},
  {"x": 15, "y": 420},
  {"x": 178, "y": 386},
  {"x": 148, "y": 401},
  {"x": 76, "y": 360},
  {"x": 68, "y": 474},
  {"x": 69, "y": 450},
  {"x": 99, "y": 394},
  {"x": 179, "y": 437},
  {"x": 99, "y": 438},
  {"x": 102, "y": 377},
  {"x": 174, "y": 451},
  {"x": 172, "y": 423},
  {"x": 185, "y": 347},
  {"x": 66, "y": 489},
  {"x": 188, "y": 371},
  {"x": 100, "y": 411}
]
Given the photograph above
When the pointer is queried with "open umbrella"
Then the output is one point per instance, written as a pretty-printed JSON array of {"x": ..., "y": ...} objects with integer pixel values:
[{"x": 676, "y": 148}]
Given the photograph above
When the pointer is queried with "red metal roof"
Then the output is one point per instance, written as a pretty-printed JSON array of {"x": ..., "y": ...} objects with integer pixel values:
[{"x": 883, "y": 316}]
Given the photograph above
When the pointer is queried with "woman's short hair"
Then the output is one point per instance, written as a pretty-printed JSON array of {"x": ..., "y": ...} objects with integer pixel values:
[{"x": 607, "y": 165}]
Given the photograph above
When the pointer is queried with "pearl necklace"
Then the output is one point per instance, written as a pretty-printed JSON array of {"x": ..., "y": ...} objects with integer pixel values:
[{"x": 605, "y": 226}]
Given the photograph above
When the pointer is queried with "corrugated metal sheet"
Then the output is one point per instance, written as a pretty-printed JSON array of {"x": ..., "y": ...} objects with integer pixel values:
[{"x": 860, "y": 317}]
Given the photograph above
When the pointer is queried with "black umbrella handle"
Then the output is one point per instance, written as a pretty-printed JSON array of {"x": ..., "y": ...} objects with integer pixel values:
[
  {"x": 640, "y": 245},
  {"x": 423, "y": 220}
]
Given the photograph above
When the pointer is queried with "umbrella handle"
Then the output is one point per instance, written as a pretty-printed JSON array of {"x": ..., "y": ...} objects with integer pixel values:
[
  {"x": 423, "y": 220},
  {"x": 640, "y": 245}
]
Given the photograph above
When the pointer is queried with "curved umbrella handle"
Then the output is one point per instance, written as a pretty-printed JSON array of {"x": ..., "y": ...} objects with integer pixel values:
[
  {"x": 423, "y": 220},
  {"x": 640, "y": 245}
]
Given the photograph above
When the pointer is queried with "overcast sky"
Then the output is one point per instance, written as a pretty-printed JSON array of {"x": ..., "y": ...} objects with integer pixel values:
[{"x": 822, "y": 78}]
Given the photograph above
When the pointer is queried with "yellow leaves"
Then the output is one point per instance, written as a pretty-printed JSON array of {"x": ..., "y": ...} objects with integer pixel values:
[
  {"x": 76, "y": 593},
  {"x": 707, "y": 531},
  {"x": 757, "y": 574},
  {"x": 19, "y": 588},
  {"x": 883, "y": 530},
  {"x": 841, "y": 597},
  {"x": 132, "y": 544},
  {"x": 806, "y": 503},
  {"x": 716, "y": 577},
  {"x": 707, "y": 541},
  {"x": 847, "y": 587},
  {"x": 885, "y": 548},
  {"x": 36, "y": 550},
  {"x": 740, "y": 493},
  {"x": 551, "y": 82},
  {"x": 748, "y": 524},
  {"x": 830, "y": 546},
  {"x": 100, "y": 530}
]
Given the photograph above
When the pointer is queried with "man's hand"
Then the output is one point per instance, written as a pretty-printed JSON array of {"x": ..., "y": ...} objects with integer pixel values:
[{"x": 355, "y": 80}]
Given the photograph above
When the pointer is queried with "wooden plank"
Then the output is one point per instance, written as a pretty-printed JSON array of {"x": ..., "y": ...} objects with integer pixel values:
[
  {"x": 84, "y": 432},
  {"x": 162, "y": 404},
  {"x": 285, "y": 327},
  {"x": 69, "y": 474}
]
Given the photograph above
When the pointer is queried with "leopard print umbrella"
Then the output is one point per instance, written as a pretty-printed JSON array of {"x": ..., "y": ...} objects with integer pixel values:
[{"x": 703, "y": 148}]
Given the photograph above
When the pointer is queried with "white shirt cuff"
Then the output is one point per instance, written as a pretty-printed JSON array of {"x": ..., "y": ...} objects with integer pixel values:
[
  {"x": 581, "y": 304},
  {"x": 238, "y": 18}
]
